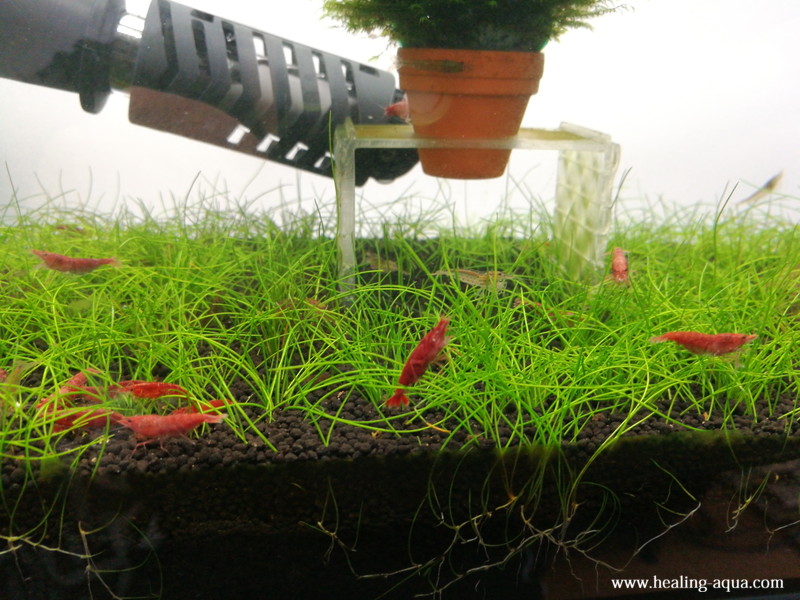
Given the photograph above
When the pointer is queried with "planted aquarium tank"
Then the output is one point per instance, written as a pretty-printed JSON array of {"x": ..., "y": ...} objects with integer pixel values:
[{"x": 346, "y": 388}]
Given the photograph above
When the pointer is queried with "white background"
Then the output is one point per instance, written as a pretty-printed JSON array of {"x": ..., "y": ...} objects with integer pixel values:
[{"x": 702, "y": 95}]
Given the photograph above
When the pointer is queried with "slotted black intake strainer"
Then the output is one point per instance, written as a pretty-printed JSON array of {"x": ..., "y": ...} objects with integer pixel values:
[{"x": 197, "y": 75}]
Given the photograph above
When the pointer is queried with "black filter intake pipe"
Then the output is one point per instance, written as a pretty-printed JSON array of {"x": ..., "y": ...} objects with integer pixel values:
[
  {"x": 197, "y": 75},
  {"x": 61, "y": 44}
]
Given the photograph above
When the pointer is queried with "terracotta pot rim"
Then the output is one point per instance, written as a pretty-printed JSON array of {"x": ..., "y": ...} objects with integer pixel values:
[
  {"x": 454, "y": 51},
  {"x": 479, "y": 72},
  {"x": 490, "y": 64}
]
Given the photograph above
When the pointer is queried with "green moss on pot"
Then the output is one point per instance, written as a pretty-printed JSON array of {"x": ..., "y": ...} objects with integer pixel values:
[{"x": 511, "y": 25}]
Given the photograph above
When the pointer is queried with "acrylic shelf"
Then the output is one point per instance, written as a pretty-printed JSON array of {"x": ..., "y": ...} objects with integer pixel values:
[{"x": 587, "y": 163}]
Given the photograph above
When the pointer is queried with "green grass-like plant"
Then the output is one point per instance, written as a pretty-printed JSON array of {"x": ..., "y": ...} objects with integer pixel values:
[{"x": 220, "y": 302}]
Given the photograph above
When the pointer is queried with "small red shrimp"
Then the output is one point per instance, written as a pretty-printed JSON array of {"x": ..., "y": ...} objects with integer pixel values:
[
  {"x": 399, "y": 110},
  {"x": 619, "y": 266},
  {"x": 115, "y": 389},
  {"x": 152, "y": 428},
  {"x": 75, "y": 387},
  {"x": 706, "y": 343},
  {"x": 421, "y": 357},
  {"x": 68, "y": 264},
  {"x": 149, "y": 389},
  {"x": 61, "y": 406},
  {"x": 89, "y": 418}
]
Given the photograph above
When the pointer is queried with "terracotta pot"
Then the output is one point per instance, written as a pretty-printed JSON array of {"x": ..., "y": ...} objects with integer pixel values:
[{"x": 467, "y": 94}]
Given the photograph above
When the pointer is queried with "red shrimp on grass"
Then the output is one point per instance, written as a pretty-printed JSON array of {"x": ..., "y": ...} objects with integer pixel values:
[
  {"x": 75, "y": 387},
  {"x": 157, "y": 428},
  {"x": 427, "y": 351},
  {"x": 150, "y": 390},
  {"x": 69, "y": 264},
  {"x": 87, "y": 418},
  {"x": 66, "y": 415},
  {"x": 619, "y": 266},
  {"x": 715, "y": 344}
]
